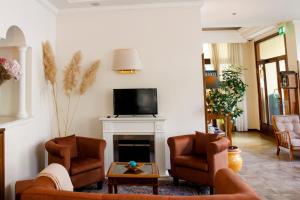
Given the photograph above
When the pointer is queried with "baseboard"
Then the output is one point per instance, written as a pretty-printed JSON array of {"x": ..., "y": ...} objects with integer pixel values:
[{"x": 254, "y": 130}]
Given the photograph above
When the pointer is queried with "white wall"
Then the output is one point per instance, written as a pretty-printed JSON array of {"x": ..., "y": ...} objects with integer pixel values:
[
  {"x": 24, "y": 151},
  {"x": 297, "y": 37},
  {"x": 169, "y": 43},
  {"x": 251, "y": 81},
  {"x": 291, "y": 46}
]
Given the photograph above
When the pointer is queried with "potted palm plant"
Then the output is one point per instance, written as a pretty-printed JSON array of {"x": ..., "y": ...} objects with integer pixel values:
[{"x": 224, "y": 100}]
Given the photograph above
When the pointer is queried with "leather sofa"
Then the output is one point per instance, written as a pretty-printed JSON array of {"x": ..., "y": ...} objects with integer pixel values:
[
  {"x": 197, "y": 157},
  {"x": 82, "y": 157},
  {"x": 228, "y": 185}
]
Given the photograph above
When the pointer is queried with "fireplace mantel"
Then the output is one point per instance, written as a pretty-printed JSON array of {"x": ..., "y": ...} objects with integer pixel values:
[{"x": 135, "y": 126}]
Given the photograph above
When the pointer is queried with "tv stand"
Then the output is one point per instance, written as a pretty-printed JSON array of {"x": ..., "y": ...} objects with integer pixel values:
[
  {"x": 154, "y": 115},
  {"x": 116, "y": 116}
]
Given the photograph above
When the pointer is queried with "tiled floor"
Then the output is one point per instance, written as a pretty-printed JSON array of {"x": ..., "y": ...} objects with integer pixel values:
[{"x": 272, "y": 177}]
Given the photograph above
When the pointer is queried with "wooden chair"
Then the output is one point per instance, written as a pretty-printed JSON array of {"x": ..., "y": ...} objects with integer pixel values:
[{"x": 287, "y": 133}]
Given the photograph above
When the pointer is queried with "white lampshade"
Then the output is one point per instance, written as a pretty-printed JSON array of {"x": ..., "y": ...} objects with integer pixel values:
[{"x": 127, "y": 61}]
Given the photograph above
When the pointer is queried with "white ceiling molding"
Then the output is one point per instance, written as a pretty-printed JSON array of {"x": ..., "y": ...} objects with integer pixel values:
[
  {"x": 251, "y": 33},
  {"x": 85, "y": 5},
  {"x": 48, "y": 6},
  {"x": 221, "y": 28},
  {"x": 82, "y": 1}
]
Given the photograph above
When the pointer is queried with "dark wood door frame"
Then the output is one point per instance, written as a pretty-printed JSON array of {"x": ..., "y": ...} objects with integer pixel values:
[
  {"x": 265, "y": 128},
  {"x": 2, "y": 164},
  {"x": 204, "y": 90}
]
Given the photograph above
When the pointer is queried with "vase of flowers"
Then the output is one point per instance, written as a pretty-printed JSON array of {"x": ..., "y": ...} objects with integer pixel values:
[{"x": 9, "y": 69}]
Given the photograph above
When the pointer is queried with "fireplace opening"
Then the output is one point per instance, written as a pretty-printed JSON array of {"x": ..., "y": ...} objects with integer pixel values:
[{"x": 139, "y": 148}]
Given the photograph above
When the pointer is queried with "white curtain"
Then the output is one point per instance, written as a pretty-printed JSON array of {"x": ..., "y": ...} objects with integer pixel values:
[
  {"x": 230, "y": 54},
  {"x": 219, "y": 56}
]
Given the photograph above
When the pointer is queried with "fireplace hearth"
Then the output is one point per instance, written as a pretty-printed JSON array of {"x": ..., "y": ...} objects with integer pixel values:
[{"x": 139, "y": 148}]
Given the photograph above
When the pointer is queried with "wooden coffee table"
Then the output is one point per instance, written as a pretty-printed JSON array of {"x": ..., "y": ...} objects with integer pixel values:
[{"x": 118, "y": 174}]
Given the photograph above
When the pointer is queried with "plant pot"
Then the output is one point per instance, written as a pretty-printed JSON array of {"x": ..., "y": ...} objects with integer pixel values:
[{"x": 235, "y": 161}]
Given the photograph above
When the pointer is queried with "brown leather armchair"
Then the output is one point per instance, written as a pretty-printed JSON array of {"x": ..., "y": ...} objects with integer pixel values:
[
  {"x": 197, "y": 158},
  {"x": 82, "y": 157}
]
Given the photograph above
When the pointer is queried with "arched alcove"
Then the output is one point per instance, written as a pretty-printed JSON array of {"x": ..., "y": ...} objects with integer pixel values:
[
  {"x": 13, "y": 94},
  {"x": 14, "y": 37}
]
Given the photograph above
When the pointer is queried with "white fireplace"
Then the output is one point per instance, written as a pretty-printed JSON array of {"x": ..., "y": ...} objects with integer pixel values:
[{"x": 135, "y": 126}]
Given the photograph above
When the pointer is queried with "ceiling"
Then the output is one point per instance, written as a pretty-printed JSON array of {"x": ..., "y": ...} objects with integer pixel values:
[
  {"x": 71, "y": 4},
  {"x": 215, "y": 13},
  {"x": 219, "y": 13}
]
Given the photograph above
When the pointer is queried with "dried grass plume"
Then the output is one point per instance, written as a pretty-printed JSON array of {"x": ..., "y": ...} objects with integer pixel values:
[
  {"x": 71, "y": 73},
  {"x": 49, "y": 63},
  {"x": 89, "y": 77}
]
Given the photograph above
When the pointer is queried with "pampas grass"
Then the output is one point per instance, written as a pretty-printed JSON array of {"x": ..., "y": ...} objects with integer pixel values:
[
  {"x": 50, "y": 75},
  {"x": 87, "y": 81},
  {"x": 71, "y": 76},
  {"x": 89, "y": 77},
  {"x": 49, "y": 63}
]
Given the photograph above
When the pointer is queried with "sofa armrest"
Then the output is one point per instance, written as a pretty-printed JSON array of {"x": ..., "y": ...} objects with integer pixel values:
[
  {"x": 217, "y": 156},
  {"x": 56, "y": 149},
  {"x": 228, "y": 182},
  {"x": 21, "y": 186},
  {"x": 91, "y": 147},
  {"x": 35, "y": 193},
  {"x": 181, "y": 145},
  {"x": 218, "y": 146},
  {"x": 58, "y": 154}
]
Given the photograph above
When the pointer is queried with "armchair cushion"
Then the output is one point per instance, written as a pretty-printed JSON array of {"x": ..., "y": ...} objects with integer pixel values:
[
  {"x": 196, "y": 161},
  {"x": 201, "y": 141},
  {"x": 90, "y": 147},
  {"x": 69, "y": 141},
  {"x": 84, "y": 164},
  {"x": 289, "y": 123},
  {"x": 295, "y": 142}
]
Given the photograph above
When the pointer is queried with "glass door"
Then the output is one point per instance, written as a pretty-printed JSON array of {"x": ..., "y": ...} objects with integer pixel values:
[
  {"x": 271, "y": 59},
  {"x": 270, "y": 93},
  {"x": 273, "y": 90},
  {"x": 263, "y": 95}
]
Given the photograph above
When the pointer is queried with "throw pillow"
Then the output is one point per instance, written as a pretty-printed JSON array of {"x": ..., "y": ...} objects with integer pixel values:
[
  {"x": 202, "y": 140},
  {"x": 68, "y": 141}
]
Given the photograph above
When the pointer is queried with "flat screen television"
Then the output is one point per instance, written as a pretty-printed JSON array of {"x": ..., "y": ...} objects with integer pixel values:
[{"x": 142, "y": 101}]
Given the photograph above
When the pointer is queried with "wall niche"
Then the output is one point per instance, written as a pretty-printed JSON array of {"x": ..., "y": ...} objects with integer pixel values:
[{"x": 14, "y": 94}]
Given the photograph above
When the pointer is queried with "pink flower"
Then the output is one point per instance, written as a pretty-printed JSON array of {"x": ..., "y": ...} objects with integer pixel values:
[
  {"x": 2, "y": 61},
  {"x": 12, "y": 67}
]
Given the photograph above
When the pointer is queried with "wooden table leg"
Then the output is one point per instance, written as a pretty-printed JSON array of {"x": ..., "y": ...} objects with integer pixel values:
[
  {"x": 110, "y": 188},
  {"x": 155, "y": 190},
  {"x": 116, "y": 189}
]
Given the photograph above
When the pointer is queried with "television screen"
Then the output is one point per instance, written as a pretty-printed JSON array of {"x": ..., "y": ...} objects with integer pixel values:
[{"x": 135, "y": 101}]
